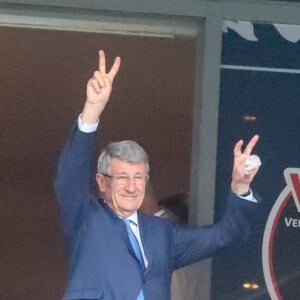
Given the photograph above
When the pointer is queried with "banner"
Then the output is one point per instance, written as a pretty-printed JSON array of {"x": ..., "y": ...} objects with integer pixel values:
[
  {"x": 260, "y": 94},
  {"x": 283, "y": 225}
]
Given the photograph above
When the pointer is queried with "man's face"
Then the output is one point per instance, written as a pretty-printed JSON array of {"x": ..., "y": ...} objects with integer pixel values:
[{"x": 124, "y": 186}]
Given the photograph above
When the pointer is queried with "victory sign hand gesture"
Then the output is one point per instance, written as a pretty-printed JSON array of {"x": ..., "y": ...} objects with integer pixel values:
[
  {"x": 98, "y": 89},
  {"x": 241, "y": 180}
]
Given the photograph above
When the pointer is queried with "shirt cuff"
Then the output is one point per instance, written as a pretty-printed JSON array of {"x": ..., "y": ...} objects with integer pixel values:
[
  {"x": 86, "y": 128},
  {"x": 249, "y": 197}
]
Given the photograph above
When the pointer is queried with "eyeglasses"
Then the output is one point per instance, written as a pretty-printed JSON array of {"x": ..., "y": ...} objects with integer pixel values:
[{"x": 123, "y": 179}]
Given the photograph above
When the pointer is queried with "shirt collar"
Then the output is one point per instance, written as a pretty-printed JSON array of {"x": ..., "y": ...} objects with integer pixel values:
[{"x": 133, "y": 218}]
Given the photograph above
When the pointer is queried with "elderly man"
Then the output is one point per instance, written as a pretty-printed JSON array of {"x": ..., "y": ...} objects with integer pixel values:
[{"x": 115, "y": 252}]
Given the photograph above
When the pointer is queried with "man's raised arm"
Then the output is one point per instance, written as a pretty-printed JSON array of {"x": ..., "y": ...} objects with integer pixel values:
[{"x": 73, "y": 179}]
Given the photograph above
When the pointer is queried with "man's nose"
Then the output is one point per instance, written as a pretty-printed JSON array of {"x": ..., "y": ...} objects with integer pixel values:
[{"x": 130, "y": 184}]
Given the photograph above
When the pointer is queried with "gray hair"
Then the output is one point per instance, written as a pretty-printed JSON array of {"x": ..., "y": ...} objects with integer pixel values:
[{"x": 127, "y": 150}]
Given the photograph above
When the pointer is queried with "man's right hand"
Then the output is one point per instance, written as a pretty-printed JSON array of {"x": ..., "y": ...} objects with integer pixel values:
[{"x": 98, "y": 90}]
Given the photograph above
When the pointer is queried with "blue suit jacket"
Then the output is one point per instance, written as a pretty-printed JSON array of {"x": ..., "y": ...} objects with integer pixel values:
[{"x": 102, "y": 263}]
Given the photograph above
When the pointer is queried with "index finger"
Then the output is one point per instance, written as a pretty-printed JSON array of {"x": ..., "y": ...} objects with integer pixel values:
[
  {"x": 237, "y": 150},
  {"x": 115, "y": 68},
  {"x": 251, "y": 144}
]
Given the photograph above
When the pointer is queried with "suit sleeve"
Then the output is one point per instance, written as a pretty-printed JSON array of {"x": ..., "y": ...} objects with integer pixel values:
[
  {"x": 73, "y": 178},
  {"x": 194, "y": 244}
]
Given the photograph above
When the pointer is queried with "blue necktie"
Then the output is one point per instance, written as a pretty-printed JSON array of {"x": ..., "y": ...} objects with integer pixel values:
[{"x": 137, "y": 250}]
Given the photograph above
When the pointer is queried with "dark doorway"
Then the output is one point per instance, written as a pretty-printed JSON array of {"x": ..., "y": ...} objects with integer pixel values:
[{"x": 43, "y": 78}]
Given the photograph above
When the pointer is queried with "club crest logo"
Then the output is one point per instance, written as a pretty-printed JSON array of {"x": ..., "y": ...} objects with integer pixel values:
[{"x": 280, "y": 250}]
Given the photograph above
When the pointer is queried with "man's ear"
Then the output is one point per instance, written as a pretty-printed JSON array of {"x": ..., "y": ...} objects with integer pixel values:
[{"x": 101, "y": 182}]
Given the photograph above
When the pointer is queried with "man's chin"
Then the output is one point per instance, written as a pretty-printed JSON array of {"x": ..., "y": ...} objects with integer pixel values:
[{"x": 128, "y": 210}]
